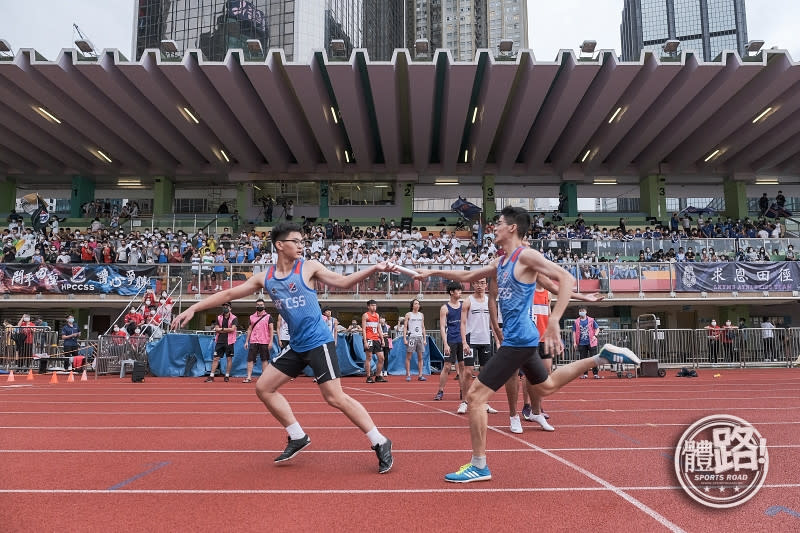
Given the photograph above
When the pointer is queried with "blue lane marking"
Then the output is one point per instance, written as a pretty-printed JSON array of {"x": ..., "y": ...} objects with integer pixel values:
[
  {"x": 624, "y": 436},
  {"x": 137, "y": 476},
  {"x": 668, "y": 456},
  {"x": 777, "y": 509}
]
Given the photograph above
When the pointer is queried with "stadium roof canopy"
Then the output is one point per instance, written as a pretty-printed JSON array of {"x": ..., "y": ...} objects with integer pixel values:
[{"x": 572, "y": 118}]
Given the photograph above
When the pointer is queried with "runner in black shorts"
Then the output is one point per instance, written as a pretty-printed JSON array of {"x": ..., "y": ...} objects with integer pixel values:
[
  {"x": 513, "y": 280},
  {"x": 322, "y": 360}
]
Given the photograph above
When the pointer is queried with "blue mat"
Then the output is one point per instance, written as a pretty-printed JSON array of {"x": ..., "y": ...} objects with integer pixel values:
[{"x": 167, "y": 356}]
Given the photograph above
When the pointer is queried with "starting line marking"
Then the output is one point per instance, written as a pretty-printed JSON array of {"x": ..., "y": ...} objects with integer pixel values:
[{"x": 459, "y": 490}]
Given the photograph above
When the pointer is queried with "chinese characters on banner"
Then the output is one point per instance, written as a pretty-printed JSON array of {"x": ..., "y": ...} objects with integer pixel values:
[
  {"x": 736, "y": 276},
  {"x": 124, "y": 280}
]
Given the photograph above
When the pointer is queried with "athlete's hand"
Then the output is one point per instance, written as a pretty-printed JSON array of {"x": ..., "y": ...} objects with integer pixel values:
[
  {"x": 467, "y": 349},
  {"x": 596, "y": 297},
  {"x": 423, "y": 273},
  {"x": 246, "y": 344},
  {"x": 182, "y": 319},
  {"x": 552, "y": 339},
  {"x": 446, "y": 349}
]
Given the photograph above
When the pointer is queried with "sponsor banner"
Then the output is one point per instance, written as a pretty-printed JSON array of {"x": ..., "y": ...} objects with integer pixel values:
[
  {"x": 737, "y": 276},
  {"x": 124, "y": 280}
]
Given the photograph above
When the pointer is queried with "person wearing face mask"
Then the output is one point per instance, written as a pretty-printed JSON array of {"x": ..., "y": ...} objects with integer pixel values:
[
  {"x": 584, "y": 331},
  {"x": 713, "y": 334},
  {"x": 225, "y": 328},
  {"x": 727, "y": 337},
  {"x": 69, "y": 335},
  {"x": 259, "y": 339}
]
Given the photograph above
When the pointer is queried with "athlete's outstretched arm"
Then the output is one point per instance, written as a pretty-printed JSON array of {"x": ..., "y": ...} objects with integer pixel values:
[
  {"x": 548, "y": 284},
  {"x": 252, "y": 285},
  {"x": 339, "y": 281}
]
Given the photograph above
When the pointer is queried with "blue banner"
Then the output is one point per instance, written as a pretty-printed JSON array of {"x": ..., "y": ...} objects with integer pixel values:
[
  {"x": 737, "y": 276},
  {"x": 91, "y": 278}
]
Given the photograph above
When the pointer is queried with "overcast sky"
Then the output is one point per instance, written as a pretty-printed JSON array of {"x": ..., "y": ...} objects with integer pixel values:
[{"x": 46, "y": 25}]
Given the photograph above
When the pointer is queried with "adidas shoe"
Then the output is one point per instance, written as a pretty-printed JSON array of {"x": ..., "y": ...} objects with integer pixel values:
[
  {"x": 469, "y": 473},
  {"x": 491, "y": 410},
  {"x": 542, "y": 421},
  {"x": 292, "y": 448},
  {"x": 384, "y": 453},
  {"x": 381, "y": 379},
  {"x": 370, "y": 379},
  {"x": 515, "y": 424},
  {"x": 462, "y": 408},
  {"x": 439, "y": 395},
  {"x": 615, "y": 355}
]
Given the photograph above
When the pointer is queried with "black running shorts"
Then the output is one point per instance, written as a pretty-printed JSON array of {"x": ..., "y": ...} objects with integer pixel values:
[
  {"x": 223, "y": 350},
  {"x": 322, "y": 360},
  {"x": 374, "y": 347},
  {"x": 257, "y": 350},
  {"x": 456, "y": 353},
  {"x": 505, "y": 363}
]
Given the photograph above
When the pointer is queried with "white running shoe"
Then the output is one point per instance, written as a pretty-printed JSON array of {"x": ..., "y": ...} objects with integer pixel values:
[
  {"x": 491, "y": 410},
  {"x": 462, "y": 408},
  {"x": 516, "y": 425},
  {"x": 542, "y": 421},
  {"x": 615, "y": 354}
]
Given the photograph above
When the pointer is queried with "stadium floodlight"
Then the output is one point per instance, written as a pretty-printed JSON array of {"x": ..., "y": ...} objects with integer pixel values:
[
  {"x": 671, "y": 46},
  {"x": 338, "y": 48},
  {"x": 422, "y": 48},
  {"x": 85, "y": 46},
  {"x": 754, "y": 46},
  {"x": 587, "y": 47},
  {"x": 255, "y": 48},
  {"x": 505, "y": 46},
  {"x": 169, "y": 47}
]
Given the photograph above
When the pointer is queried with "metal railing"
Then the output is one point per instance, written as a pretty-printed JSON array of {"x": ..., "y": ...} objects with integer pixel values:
[
  {"x": 22, "y": 346},
  {"x": 114, "y": 350}
]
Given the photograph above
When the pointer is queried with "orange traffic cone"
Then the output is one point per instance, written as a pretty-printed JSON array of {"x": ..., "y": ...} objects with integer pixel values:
[
  {"x": 71, "y": 377},
  {"x": 54, "y": 379},
  {"x": 10, "y": 376},
  {"x": 30, "y": 374},
  {"x": 83, "y": 376}
]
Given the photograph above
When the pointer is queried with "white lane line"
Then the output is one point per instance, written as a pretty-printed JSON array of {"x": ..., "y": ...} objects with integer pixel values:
[
  {"x": 345, "y": 492},
  {"x": 368, "y": 452},
  {"x": 619, "y": 492}
]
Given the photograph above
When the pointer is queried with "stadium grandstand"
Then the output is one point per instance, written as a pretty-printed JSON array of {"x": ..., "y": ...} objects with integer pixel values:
[{"x": 665, "y": 184}]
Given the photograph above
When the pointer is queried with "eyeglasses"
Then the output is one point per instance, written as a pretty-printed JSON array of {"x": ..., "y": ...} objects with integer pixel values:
[{"x": 297, "y": 242}]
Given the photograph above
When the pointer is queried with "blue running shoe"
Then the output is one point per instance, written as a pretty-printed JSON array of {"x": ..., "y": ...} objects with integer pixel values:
[
  {"x": 469, "y": 473},
  {"x": 616, "y": 355}
]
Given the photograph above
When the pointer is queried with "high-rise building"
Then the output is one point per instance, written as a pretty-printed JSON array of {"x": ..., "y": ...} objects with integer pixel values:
[
  {"x": 299, "y": 27},
  {"x": 464, "y": 26},
  {"x": 706, "y": 27}
]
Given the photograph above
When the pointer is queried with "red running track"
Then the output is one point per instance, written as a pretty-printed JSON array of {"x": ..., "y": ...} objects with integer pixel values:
[{"x": 183, "y": 455}]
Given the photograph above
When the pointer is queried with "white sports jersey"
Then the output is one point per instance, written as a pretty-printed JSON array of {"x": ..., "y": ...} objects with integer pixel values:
[
  {"x": 416, "y": 326},
  {"x": 478, "y": 321}
]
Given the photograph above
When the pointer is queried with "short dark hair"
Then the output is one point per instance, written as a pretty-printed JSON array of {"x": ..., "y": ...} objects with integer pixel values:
[
  {"x": 518, "y": 216},
  {"x": 282, "y": 229},
  {"x": 454, "y": 286},
  {"x": 370, "y": 302},
  {"x": 260, "y": 300}
]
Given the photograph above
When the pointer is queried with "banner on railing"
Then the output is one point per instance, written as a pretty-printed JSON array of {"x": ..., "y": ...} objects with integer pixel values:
[
  {"x": 737, "y": 276},
  {"x": 125, "y": 280}
]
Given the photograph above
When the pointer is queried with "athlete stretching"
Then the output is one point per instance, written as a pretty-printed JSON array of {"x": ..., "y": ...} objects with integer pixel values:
[
  {"x": 516, "y": 276},
  {"x": 289, "y": 284}
]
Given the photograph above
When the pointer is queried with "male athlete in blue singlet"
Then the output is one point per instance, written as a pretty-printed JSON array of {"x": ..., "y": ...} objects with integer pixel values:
[
  {"x": 513, "y": 280},
  {"x": 288, "y": 284}
]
